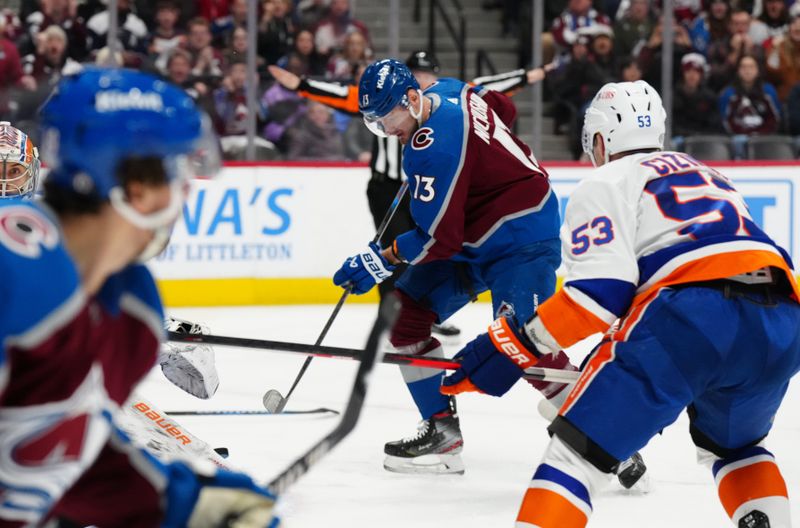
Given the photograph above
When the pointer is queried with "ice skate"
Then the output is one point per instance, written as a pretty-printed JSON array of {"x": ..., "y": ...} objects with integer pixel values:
[{"x": 436, "y": 448}]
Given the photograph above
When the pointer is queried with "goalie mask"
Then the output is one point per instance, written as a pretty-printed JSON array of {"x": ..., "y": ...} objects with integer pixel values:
[{"x": 19, "y": 163}]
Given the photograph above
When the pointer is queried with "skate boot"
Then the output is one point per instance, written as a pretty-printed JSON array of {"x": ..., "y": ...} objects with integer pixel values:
[
  {"x": 446, "y": 330},
  {"x": 434, "y": 449}
]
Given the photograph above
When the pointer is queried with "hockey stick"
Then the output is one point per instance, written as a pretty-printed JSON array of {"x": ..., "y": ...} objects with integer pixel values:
[
  {"x": 273, "y": 400},
  {"x": 533, "y": 373},
  {"x": 369, "y": 356},
  {"x": 261, "y": 412}
]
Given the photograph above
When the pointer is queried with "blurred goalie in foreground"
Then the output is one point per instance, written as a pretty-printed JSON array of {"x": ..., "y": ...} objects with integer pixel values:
[{"x": 120, "y": 146}]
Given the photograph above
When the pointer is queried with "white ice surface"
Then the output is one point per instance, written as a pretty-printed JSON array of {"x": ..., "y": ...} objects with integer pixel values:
[{"x": 504, "y": 438}]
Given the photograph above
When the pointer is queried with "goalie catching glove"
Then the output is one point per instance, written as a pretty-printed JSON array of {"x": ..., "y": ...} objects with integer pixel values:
[
  {"x": 364, "y": 270},
  {"x": 492, "y": 362}
]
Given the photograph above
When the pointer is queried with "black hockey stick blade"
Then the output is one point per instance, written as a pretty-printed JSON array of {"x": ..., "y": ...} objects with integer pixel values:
[{"x": 386, "y": 317}]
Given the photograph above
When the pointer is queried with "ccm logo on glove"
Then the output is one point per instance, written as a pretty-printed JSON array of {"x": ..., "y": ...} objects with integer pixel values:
[{"x": 506, "y": 341}]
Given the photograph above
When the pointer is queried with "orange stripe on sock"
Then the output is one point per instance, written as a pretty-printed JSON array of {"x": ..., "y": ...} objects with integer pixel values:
[
  {"x": 548, "y": 509},
  {"x": 747, "y": 483}
]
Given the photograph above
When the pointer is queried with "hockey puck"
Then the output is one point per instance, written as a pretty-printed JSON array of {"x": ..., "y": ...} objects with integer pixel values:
[{"x": 222, "y": 451}]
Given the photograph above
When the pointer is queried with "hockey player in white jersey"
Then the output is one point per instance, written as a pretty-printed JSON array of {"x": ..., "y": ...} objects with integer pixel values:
[{"x": 709, "y": 315}]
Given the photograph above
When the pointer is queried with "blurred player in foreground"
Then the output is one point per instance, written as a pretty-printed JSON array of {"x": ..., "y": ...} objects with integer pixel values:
[
  {"x": 84, "y": 320},
  {"x": 709, "y": 317},
  {"x": 485, "y": 219}
]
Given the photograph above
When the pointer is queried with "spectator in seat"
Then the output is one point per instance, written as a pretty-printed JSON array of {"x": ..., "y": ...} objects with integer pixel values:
[
  {"x": 132, "y": 34},
  {"x": 602, "y": 51},
  {"x": 237, "y": 50},
  {"x": 629, "y": 70},
  {"x": 212, "y": 9},
  {"x": 222, "y": 28},
  {"x": 783, "y": 60},
  {"x": 46, "y": 67},
  {"x": 650, "y": 56},
  {"x": 575, "y": 85},
  {"x": 694, "y": 105},
  {"x": 11, "y": 77},
  {"x": 284, "y": 108},
  {"x": 724, "y": 55},
  {"x": 686, "y": 10},
  {"x": 165, "y": 36},
  {"x": 634, "y": 28},
  {"x": 275, "y": 30},
  {"x": 773, "y": 20},
  {"x": 315, "y": 137},
  {"x": 578, "y": 14},
  {"x": 354, "y": 52},
  {"x": 230, "y": 105},
  {"x": 206, "y": 60},
  {"x": 332, "y": 30},
  {"x": 711, "y": 26},
  {"x": 179, "y": 71},
  {"x": 749, "y": 106},
  {"x": 62, "y": 13},
  {"x": 310, "y": 62}
]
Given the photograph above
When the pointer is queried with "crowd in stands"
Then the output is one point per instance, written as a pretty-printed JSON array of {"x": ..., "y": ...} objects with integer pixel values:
[
  {"x": 200, "y": 45},
  {"x": 736, "y": 62}
]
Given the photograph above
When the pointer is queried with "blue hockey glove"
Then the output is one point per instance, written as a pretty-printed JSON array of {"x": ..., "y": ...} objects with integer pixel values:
[
  {"x": 364, "y": 270},
  {"x": 212, "y": 498},
  {"x": 492, "y": 362}
]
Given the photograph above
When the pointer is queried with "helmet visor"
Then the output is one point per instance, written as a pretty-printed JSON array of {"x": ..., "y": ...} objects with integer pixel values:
[{"x": 388, "y": 124}]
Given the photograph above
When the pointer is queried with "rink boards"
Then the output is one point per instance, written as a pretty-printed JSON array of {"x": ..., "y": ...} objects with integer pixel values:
[{"x": 274, "y": 233}]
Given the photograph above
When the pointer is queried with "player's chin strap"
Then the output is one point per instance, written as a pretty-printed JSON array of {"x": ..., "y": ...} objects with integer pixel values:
[
  {"x": 160, "y": 222},
  {"x": 417, "y": 115}
]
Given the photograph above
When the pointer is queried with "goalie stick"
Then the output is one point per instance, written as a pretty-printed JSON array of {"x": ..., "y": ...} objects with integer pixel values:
[
  {"x": 370, "y": 355},
  {"x": 273, "y": 400},
  {"x": 533, "y": 373}
]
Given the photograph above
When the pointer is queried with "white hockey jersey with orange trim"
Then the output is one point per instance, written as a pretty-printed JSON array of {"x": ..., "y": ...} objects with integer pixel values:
[{"x": 643, "y": 222}]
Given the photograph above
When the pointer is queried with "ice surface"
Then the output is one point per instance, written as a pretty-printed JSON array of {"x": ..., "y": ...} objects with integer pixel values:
[{"x": 504, "y": 438}]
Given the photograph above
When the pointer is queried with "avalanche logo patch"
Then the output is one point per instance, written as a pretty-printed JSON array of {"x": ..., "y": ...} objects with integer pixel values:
[
  {"x": 422, "y": 139},
  {"x": 25, "y": 231},
  {"x": 506, "y": 309}
]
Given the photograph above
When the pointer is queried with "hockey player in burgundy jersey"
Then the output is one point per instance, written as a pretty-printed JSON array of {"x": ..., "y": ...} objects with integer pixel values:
[
  {"x": 708, "y": 309},
  {"x": 83, "y": 320},
  {"x": 485, "y": 219}
]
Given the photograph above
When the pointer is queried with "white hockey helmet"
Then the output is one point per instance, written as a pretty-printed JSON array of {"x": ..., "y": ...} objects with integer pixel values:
[{"x": 628, "y": 116}]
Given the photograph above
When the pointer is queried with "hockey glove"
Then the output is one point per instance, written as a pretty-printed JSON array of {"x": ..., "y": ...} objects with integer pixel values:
[
  {"x": 364, "y": 270},
  {"x": 216, "y": 498},
  {"x": 492, "y": 362},
  {"x": 189, "y": 366}
]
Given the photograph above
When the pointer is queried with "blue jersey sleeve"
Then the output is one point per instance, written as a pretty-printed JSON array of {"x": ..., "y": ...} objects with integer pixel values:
[{"x": 433, "y": 161}]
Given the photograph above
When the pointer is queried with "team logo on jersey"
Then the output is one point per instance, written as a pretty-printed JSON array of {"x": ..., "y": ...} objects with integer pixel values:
[
  {"x": 60, "y": 443},
  {"x": 25, "y": 231},
  {"x": 422, "y": 139},
  {"x": 506, "y": 309}
]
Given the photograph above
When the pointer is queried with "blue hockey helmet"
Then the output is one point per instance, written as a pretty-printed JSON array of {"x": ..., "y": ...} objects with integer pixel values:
[
  {"x": 99, "y": 117},
  {"x": 383, "y": 87}
]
